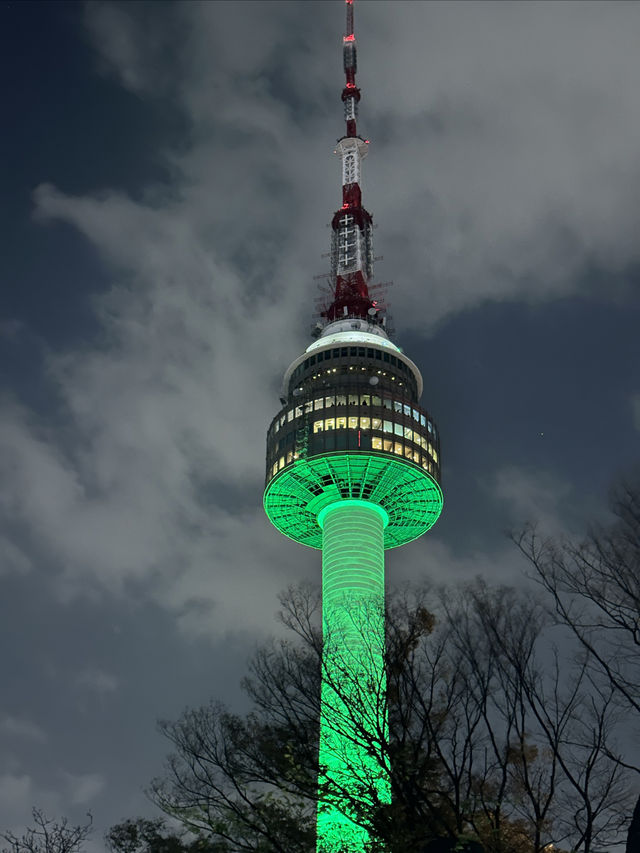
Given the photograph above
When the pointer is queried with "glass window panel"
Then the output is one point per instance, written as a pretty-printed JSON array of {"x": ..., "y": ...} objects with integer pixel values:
[
  {"x": 397, "y": 448},
  {"x": 387, "y": 402},
  {"x": 378, "y": 355},
  {"x": 343, "y": 352},
  {"x": 416, "y": 457},
  {"x": 397, "y": 406},
  {"x": 353, "y": 351},
  {"x": 393, "y": 359},
  {"x": 408, "y": 433},
  {"x": 375, "y": 400},
  {"x": 408, "y": 452},
  {"x": 290, "y": 415},
  {"x": 423, "y": 420},
  {"x": 430, "y": 426},
  {"x": 318, "y": 426},
  {"x": 385, "y": 356},
  {"x": 365, "y": 423},
  {"x": 289, "y": 457},
  {"x": 353, "y": 399},
  {"x": 330, "y": 401},
  {"x": 330, "y": 423},
  {"x": 388, "y": 445},
  {"x": 435, "y": 455},
  {"x": 369, "y": 353},
  {"x": 274, "y": 470},
  {"x": 353, "y": 423},
  {"x": 308, "y": 407},
  {"x": 397, "y": 428},
  {"x": 341, "y": 423},
  {"x": 341, "y": 400},
  {"x": 365, "y": 399},
  {"x": 318, "y": 404},
  {"x": 306, "y": 363},
  {"x": 298, "y": 411},
  {"x": 320, "y": 356},
  {"x": 312, "y": 360},
  {"x": 376, "y": 443},
  {"x": 407, "y": 410},
  {"x": 376, "y": 423},
  {"x": 361, "y": 352},
  {"x": 388, "y": 426},
  {"x": 281, "y": 462},
  {"x": 335, "y": 353},
  {"x": 416, "y": 415}
]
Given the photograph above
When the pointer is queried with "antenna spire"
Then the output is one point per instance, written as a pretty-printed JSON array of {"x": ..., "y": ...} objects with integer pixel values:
[{"x": 352, "y": 225}]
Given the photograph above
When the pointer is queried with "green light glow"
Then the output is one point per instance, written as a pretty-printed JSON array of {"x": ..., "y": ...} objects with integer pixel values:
[
  {"x": 353, "y": 506},
  {"x": 353, "y": 718},
  {"x": 295, "y": 497}
]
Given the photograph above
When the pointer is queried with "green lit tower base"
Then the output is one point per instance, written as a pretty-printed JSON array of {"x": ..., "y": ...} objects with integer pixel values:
[{"x": 353, "y": 468}]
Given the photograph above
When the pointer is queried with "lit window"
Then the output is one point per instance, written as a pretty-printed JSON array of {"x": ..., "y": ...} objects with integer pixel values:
[
  {"x": 397, "y": 448},
  {"x": 353, "y": 399},
  {"x": 274, "y": 470},
  {"x": 407, "y": 410},
  {"x": 298, "y": 411},
  {"x": 330, "y": 423},
  {"x": 282, "y": 420},
  {"x": 425, "y": 463},
  {"x": 423, "y": 420},
  {"x": 341, "y": 400},
  {"x": 317, "y": 426},
  {"x": 289, "y": 457},
  {"x": 376, "y": 443},
  {"x": 318, "y": 404},
  {"x": 408, "y": 433},
  {"x": 290, "y": 415},
  {"x": 365, "y": 399},
  {"x": 408, "y": 452},
  {"x": 397, "y": 428},
  {"x": 281, "y": 462},
  {"x": 375, "y": 401},
  {"x": 341, "y": 423},
  {"x": 416, "y": 457},
  {"x": 388, "y": 426},
  {"x": 430, "y": 426},
  {"x": 365, "y": 423},
  {"x": 416, "y": 415},
  {"x": 388, "y": 445},
  {"x": 387, "y": 402},
  {"x": 308, "y": 407},
  {"x": 397, "y": 406},
  {"x": 353, "y": 423},
  {"x": 329, "y": 401},
  {"x": 296, "y": 455},
  {"x": 434, "y": 453},
  {"x": 423, "y": 442},
  {"x": 376, "y": 423}
]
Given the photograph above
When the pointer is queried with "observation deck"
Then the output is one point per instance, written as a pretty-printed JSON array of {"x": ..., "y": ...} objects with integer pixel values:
[{"x": 351, "y": 428}]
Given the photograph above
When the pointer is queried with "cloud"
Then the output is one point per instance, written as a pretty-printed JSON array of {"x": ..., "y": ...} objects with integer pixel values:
[
  {"x": 19, "y": 727},
  {"x": 84, "y": 787},
  {"x": 97, "y": 681},
  {"x": 484, "y": 182}
]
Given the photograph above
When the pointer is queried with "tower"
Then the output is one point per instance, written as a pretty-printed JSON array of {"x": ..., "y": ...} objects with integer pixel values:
[{"x": 353, "y": 468}]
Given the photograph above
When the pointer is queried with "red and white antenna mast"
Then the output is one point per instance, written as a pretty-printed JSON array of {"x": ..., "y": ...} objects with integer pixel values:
[{"x": 352, "y": 225}]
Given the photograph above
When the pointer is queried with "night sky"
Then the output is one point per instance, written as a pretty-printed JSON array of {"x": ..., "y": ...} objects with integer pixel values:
[{"x": 167, "y": 179}]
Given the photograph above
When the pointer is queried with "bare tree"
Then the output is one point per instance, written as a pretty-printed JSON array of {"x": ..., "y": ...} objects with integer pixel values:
[
  {"x": 486, "y": 734},
  {"x": 594, "y": 587},
  {"x": 49, "y": 836}
]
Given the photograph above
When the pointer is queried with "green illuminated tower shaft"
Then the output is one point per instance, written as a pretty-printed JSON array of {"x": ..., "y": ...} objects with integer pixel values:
[
  {"x": 353, "y": 689},
  {"x": 353, "y": 468}
]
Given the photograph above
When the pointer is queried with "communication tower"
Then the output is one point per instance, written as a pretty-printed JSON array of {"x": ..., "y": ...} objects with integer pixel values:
[{"x": 353, "y": 468}]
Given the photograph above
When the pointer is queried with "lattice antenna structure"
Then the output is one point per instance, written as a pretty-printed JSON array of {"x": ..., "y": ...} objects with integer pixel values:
[{"x": 353, "y": 468}]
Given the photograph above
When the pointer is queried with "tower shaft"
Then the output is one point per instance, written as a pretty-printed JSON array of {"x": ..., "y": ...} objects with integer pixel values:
[{"x": 353, "y": 724}]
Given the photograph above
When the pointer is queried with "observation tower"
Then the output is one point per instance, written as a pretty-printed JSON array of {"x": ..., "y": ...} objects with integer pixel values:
[{"x": 353, "y": 469}]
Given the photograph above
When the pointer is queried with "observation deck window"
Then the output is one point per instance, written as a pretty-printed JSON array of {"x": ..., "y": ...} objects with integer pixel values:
[
  {"x": 308, "y": 407},
  {"x": 365, "y": 399},
  {"x": 353, "y": 423},
  {"x": 376, "y": 423},
  {"x": 385, "y": 356},
  {"x": 330, "y": 401},
  {"x": 336, "y": 353},
  {"x": 330, "y": 423},
  {"x": 320, "y": 356},
  {"x": 387, "y": 445},
  {"x": 387, "y": 426},
  {"x": 353, "y": 399},
  {"x": 361, "y": 351},
  {"x": 397, "y": 406},
  {"x": 290, "y": 415},
  {"x": 365, "y": 423},
  {"x": 375, "y": 400},
  {"x": 298, "y": 411},
  {"x": 376, "y": 443},
  {"x": 397, "y": 428},
  {"x": 341, "y": 423},
  {"x": 370, "y": 353},
  {"x": 423, "y": 420},
  {"x": 397, "y": 448},
  {"x": 387, "y": 402},
  {"x": 408, "y": 433},
  {"x": 318, "y": 404},
  {"x": 341, "y": 400},
  {"x": 318, "y": 426},
  {"x": 378, "y": 355}
]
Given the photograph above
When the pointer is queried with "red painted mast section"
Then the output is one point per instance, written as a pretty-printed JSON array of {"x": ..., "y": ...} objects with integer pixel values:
[{"x": 352, "y": 225}]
